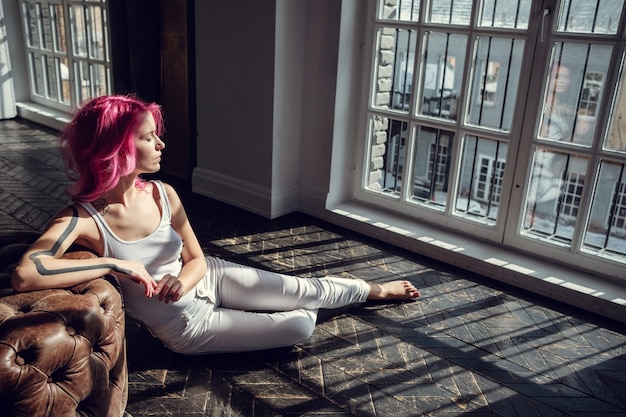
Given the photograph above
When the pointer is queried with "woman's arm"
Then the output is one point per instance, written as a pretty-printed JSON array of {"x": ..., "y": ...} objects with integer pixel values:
[
  {"x": 42, "y": 267},
  {"x": 172, "y": 288}
]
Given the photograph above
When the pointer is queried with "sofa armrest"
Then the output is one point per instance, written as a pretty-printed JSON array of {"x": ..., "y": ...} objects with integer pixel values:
[
  {"x": 13, "y": 243},
  {"x": 62, "y": 351}
]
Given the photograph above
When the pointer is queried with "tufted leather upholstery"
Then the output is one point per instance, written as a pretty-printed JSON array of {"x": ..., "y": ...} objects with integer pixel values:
[{"x": 62, "y": 351}]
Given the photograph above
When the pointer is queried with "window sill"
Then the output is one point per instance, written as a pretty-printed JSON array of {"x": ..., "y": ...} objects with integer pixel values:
[
  {"x": 599, "y": 295},
  {"x": 43, "y": 115}
]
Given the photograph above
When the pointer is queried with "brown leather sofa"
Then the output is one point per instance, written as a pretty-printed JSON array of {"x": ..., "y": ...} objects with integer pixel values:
[{"x": 62, "y": 351}]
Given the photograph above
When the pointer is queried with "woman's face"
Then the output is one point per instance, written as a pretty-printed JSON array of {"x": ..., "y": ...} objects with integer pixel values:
[
  {"x": 561, "y": 78},
  {"x": 148, "y": 145}
]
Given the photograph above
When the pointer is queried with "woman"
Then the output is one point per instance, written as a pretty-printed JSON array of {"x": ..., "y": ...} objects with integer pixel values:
[
  {"x": 558, "y": 114},
  {"x": 192, "y": 303}
]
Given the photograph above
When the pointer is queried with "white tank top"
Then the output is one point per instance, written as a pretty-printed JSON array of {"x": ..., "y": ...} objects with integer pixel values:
[{"x": 160, "y": 253}]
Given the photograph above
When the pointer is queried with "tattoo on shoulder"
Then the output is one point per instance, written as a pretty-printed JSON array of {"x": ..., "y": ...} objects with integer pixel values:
[
  {"x": 35, "y": 256},
  {"x": 101, "y": 205}
]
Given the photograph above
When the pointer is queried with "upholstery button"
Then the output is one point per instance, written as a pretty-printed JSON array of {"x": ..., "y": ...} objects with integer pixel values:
[
  {"x": 19, "y": 361},
  {"x": 25, "y": 309},
  {"x": 71, "y": 331}
]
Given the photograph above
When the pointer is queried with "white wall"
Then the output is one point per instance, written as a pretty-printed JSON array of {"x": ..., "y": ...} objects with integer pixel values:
[
  {"x": 266, "y": 86},
  {"x": 235, "y": 102},
  {"x": 318, "y": 116},
  {"x": 290, "y": 50},
  {"x": 7, "y": 95},
  {"x": 19, "y": 71}
]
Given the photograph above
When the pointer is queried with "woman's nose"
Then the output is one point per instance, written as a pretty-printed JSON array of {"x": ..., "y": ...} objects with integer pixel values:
[{"x": 160, "y": 144}]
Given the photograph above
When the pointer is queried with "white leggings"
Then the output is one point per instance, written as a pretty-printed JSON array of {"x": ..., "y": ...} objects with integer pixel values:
[{"x": 239, "y": 308}]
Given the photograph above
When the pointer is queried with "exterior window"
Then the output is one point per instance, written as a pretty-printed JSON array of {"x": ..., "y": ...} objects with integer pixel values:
[
  {"x": 488, "y": 83},
  {"x": 480, "y": 119},
  {"x": 67, "y": 47},
  {"x": 618, "y": 220},
  {"x": 438, "y": 163},
  {"x": 421, "y": 57},
  {"x": 606, "y": 230},
  {"x": 494, "y": 81},
  {"x": 431, "y": 162},
  {"x": 489, "y": 183},
  {"x": 590, "y": 93},
  {"x": 572, "y": 194},
  {"x": 387, "y": 155},
  {"x": 481, "y": 180}
]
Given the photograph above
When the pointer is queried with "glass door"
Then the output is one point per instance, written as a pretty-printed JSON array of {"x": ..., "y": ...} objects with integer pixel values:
[
  {"x": 573, "y": 198},
  {"x": 442, "y": 119},
  {"x": 501, "y": 119}
]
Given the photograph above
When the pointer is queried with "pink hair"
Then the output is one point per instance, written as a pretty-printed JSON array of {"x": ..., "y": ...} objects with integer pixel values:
[{"x": 99, "y": 143}]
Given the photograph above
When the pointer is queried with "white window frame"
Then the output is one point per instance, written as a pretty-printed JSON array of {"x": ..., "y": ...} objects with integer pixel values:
[
  {"x": 506, "y": 229},
  {"x": 430, "y": 211},
  {"x": 87, "y": 73}
]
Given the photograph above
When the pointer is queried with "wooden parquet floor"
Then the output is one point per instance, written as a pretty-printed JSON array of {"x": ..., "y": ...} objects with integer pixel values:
[{"x": 468, "y": 346}]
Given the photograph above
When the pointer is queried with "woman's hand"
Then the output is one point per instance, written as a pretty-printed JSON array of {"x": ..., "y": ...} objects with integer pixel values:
[
  {"x": 136, "y": 272},
  {"x": 170, "y": 288}
]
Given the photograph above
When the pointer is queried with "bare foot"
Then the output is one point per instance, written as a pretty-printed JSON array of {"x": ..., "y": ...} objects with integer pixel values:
[{"x": 394, "y": 290}]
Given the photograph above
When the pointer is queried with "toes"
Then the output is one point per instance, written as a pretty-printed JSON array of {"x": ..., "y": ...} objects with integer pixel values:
[{"x": 411, "y": 290}]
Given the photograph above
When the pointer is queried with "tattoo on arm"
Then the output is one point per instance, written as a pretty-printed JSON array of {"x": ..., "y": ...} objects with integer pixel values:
[{"x": 34, "y": 257}]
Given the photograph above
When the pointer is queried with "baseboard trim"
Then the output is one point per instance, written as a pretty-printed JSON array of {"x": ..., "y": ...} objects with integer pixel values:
[{"x": 245, "y": 195}]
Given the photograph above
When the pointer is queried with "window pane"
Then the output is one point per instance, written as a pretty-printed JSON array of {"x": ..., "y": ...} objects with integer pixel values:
[
  {"x": 96, "y": 32},
  {"x": 394, "y": 72},
  {"x": 47, "y": 28},
  {"x": 66, "y": 68},
  {"x": 455, "y": 12},
  {"x": 51, "y": 79},
  {"x": 616, "y": 139},
  {"x": 444, "y": 55},
  {"x": 431, "y": 170},
  {"x": 99, "y": 80},
  {"x": 79, "y": 31},
  {"x": 387, "y": 149},
  {"x": 60, "y": 41},
  {"x": 494, "y": 84},
  {"x": 554, "y": 195},
  {"x": 505, "y": 13},
  {"x": 606, "y": 230},
  {"x": 64, "y": 73},
  {"x": 405, "y": 10},
  {"x": 93, "y": 80},
  {"x": 574, "y": 92},
  {"x": 82, "y": 82},
  {"x": 590, "y": 16},
  {"x": 31, "y": 24},
  {"x": 482, "y": 175},
  {"x": 37, "y": 74}
]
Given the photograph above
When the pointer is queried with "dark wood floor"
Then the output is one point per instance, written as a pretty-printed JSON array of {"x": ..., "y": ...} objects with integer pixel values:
[{"x": 468, "y": 346}]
